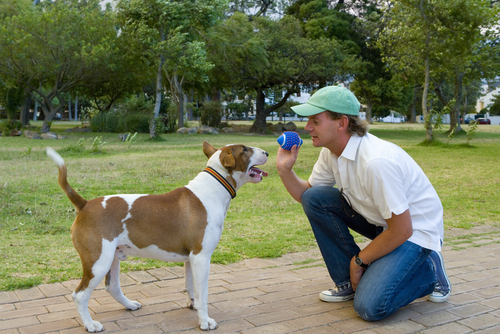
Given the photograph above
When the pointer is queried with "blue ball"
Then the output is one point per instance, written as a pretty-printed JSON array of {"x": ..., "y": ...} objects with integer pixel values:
[{"x": 288, "y": 139}]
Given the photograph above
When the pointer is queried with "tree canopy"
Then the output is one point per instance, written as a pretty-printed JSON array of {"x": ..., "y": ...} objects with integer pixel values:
[{"x": 391, "y": 54}]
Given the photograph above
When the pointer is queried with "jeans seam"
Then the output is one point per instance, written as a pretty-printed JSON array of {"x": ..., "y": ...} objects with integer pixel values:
[
  {"x": 386, "y": 304},
  {"x": 339, "y": 230}
]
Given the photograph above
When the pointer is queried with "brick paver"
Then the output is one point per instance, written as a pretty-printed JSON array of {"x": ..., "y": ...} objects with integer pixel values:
[{"x": 264, "y": 296}]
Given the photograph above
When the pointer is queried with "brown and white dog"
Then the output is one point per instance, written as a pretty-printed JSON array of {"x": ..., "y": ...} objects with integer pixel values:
[{"x": 184, "y": 225}]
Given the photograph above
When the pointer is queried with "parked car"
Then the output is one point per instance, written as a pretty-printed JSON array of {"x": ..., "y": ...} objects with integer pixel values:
[
  {"x": 483, "y": 121},
  {"x": 466, "y": 120}
]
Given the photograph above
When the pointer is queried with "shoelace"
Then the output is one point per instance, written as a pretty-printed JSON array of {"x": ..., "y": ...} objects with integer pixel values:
[
  {"x": 439, "y": 288},
  {"x": 342, "y": 288}
]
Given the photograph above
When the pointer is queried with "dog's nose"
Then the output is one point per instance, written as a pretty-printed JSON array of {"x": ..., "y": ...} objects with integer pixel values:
[{"x": 267, "y": 154}]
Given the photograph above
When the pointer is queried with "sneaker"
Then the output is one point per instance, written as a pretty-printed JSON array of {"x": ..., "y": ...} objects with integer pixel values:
[
  {"x": 442, "y": 291},
  {"x": 337, "y": 294}
]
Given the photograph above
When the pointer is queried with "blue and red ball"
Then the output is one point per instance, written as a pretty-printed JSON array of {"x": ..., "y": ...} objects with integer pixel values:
[{"x": 288, "y": 139}]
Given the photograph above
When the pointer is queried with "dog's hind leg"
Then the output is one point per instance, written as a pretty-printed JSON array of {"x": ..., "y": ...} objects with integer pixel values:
[
  {"x": 92, "y": 276},
  {"x": 188, "y": 279},
  {"x": 200, "y": 266},
  {"x": 114, "y": 288}
]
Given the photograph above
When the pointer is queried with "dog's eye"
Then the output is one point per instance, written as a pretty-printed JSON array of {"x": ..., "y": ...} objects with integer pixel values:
[{"x": 245, "y": 149}]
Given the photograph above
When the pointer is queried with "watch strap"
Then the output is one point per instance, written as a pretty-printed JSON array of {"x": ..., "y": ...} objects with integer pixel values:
[{"x": 359, "y": 261}]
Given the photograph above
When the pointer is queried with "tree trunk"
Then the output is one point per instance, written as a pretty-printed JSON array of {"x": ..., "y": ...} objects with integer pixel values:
[
  {"x": 216, "y": 95},
  {"x": 259, "y": 125},
  {"x": 465, "y": 108},
  {"x": 156, "y": 111},
  {"x": 25, "y": 111},
  {"x": 76, "y": 107},
  {"x": 180, "y": 99},
  {"x": 49, "y": 111},
  {"x": 455, "y": 112},
  {"x": 69, "y": 108},
  {"x": 428, "y": 125},
  {"x": 369, "y": 107},
  {"x": 159, "y": 89},
  {"x": 35, "y": 114},
  {"x": 413, "y": 107}
]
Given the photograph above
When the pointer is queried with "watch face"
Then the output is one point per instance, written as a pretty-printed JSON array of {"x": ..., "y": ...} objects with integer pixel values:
[{"x": 358, "y": 261}]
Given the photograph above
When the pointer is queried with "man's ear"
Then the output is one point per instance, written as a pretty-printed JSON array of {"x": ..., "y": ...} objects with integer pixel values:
[
  {"x": 343, "y": 123},
  {"x": 227, "y": 158},
  {"x": 208, "y": 149}
]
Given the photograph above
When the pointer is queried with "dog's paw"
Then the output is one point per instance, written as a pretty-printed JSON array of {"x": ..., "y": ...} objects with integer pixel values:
[
  {"x": 210, "y": 324},
  {"x": 133, "y": 305},
  {"x": 190, "y": 303},
  {"x": 94, "y": 327}
]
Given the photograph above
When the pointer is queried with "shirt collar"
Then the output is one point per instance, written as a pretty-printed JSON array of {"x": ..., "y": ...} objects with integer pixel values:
[{"x": 351, "y": 148}]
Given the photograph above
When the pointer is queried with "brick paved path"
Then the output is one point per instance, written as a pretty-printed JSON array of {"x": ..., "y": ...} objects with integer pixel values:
[{"x": 265, "y": 296}]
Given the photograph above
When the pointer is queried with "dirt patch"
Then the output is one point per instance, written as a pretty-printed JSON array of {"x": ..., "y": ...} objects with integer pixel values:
[{"x": 456, "y": 232}]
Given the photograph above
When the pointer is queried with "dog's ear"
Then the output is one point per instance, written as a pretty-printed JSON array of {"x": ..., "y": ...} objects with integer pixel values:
[
  {"x": 208, "y": 149},
  {"x": 227, "y": 158}
]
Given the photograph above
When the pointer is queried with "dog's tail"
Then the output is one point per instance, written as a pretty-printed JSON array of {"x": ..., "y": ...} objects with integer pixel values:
[{"x": 78, "y": 201}]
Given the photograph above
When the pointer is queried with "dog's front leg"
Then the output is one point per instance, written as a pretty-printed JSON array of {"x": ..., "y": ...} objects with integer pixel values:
[
  {"x": 188, "y": 279},
  {"x": 200, "y": 267}
]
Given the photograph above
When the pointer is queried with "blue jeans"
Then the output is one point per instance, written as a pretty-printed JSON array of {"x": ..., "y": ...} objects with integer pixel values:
[{"x": 389, "y": 283}]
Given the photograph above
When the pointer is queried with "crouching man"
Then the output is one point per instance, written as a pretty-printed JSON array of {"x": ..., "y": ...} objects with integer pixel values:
[{"x": 382, "y": 194}]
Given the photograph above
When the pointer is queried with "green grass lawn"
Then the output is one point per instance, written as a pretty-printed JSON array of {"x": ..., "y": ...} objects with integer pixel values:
[{"x": 263, "y": 220}]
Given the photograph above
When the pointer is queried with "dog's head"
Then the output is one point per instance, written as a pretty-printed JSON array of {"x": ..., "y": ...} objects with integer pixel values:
[{"x": 237, "y": 163}]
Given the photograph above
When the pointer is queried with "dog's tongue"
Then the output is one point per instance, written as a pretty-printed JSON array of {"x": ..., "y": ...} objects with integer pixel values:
[{"x": 255, "y": 170}]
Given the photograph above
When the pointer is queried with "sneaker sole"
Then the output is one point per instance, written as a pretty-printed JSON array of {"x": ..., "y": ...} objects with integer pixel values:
[
  {"x": 438, "y": 299},
  {"x": 336, "y": 299}
]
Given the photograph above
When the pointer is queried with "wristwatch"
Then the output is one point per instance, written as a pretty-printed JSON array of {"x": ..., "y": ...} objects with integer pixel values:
[{"x": 359, "y": 261}]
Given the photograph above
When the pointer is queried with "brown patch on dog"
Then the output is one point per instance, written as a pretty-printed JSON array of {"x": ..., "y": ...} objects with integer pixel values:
[
  {"x": 235, "y": 158},
  {"x": 227, "y": 158},
  {"x": 208, "y": 149},
  {"x": 178, "y": 219},
  {"x": 241, "y": 157},
  {"x": 93, "y": 224}
]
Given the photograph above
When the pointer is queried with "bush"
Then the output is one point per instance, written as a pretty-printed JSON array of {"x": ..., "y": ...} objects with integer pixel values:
[
  {"x": 169, "y": 118},
  {"x": 136, "y": 123},
  {"x": 105, "y": 122},
  {"x": 237, "y": 110},
  {"x": 7, "y": 126},
  {"x": 136, "y": 104},
  {"x": 211, "y": 114},
  {"x": 134, "y": 115}
]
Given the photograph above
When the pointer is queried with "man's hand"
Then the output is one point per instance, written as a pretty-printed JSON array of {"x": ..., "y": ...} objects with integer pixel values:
[
  {"x": 286, "y": 159},
  {"x": 284, "y": 163},
  {"x": 398, "y": 231},
  {"x": 356, "y": 273}
]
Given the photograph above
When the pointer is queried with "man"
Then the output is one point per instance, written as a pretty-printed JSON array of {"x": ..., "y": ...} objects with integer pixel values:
[{"x": 382, "y": 194}]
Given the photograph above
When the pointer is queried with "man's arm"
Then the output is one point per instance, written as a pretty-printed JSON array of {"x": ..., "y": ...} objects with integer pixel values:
[
  {"x": 284, "y": 163},
  {"x": 399, "y": 230}
]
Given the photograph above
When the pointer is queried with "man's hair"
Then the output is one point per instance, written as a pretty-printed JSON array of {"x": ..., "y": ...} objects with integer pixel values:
[{"x": 356, "y": 124}]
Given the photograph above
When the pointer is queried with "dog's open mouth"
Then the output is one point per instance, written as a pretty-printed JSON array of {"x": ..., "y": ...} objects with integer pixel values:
[{"x": 256, "y": 173}]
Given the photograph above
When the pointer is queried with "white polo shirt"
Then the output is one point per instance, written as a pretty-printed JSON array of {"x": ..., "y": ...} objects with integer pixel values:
[{"x": 380, "y": 178}]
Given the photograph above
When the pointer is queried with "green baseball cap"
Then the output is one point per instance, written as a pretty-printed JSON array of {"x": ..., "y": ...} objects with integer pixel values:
[{"x": 333, "y": 98}]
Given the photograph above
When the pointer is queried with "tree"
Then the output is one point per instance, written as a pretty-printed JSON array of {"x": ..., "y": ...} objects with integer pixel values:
[
  {"x": 494, "y": 109},
  {"x": 122, "y": 71},
  {"x": 53, "y": 48},
  {"x": 237, "y": 52},
  {"x": 9, "y": 8},
  {"x": 356, "y": 25},
  {"x": 170, "y": 30},
  {"x": 408, "y": 41},
  {"x": 436, "y": 39},
  {"x": 263, "y": 55},
  {"x": 466, "y": 27},
  {"x": 11, "y": 98}
]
